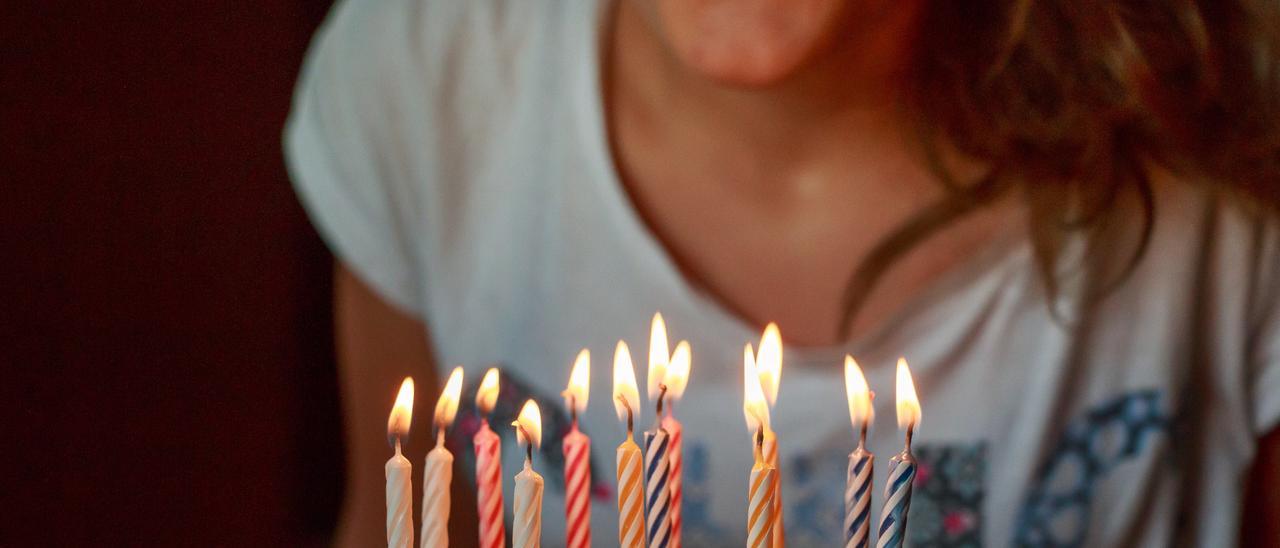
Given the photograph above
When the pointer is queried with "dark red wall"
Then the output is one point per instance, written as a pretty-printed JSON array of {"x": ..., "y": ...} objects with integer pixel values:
[{"x": 164, "y": 304}]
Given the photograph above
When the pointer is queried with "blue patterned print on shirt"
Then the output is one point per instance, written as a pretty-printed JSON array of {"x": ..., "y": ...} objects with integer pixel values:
[{"x": 1057, "y": 507}]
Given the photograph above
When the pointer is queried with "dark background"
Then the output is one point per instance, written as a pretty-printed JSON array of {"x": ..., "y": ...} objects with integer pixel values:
[{"x": 165, "y": 324}]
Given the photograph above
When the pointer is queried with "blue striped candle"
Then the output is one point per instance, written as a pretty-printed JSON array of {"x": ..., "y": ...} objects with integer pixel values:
[
  {"x": 897, "y": 501},
  {"x": 857, "y": 499},
  {"x": 657, "y": 488}
]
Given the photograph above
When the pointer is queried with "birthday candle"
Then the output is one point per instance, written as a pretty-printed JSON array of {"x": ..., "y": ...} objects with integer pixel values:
[
  {"x": 626, "y": 402},
  {"x": 493, "y": 532},
  {"x": 760, "y": 509},
  {"x": 677, "y": 378},
  {"x": 399, "y": 472},
  {"x": 577, "y": 456},
  {"x": 527, "y": 527},
  {"x": 769, "y": 368},
  {"x": 902, "y": 467},
  {"x": 438, "y": 472},
  {"x": 857, "y": 493},
  {"x": 657, "y": 451}
]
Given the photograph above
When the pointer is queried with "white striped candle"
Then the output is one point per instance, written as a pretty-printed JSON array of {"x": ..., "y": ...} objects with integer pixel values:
[
  {"x": 399, "y": 473},
  {"x": 657, "y": 485},
  {"x": 897, "y": 502},
  {"x": 527, "y": 521},
  {"x": 902, "y": 467},
  {"x": 857, "y": 499},
  {"x": 857, "y": 492},
  {"x": 436, "y": 476},
  {"x": 527, "y": 524}
]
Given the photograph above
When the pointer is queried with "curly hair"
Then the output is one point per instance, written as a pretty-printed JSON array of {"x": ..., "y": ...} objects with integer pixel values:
[{"x": 1070, "y": 101}]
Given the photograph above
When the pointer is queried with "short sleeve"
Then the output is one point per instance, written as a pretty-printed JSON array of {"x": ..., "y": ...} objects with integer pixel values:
[
  {"x": 336, "y": 142},
  {"x": 1264, "y": 366}
]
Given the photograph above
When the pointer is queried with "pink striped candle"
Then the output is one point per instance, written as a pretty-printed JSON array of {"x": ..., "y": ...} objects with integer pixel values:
[
  {"x": 493, "y": 534},
  {"x": 577, "y": 457},
  {"x": 677, "y": 377},
  {"x": 577, "y": 481},
  {"x": 676, "y": 463}
]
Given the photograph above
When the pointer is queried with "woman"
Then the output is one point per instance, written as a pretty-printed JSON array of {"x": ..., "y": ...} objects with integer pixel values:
[{"x": 1060, "y": 212}]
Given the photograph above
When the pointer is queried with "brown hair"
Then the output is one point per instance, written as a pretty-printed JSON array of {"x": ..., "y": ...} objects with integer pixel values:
[{"x": 1070, "y": 100}]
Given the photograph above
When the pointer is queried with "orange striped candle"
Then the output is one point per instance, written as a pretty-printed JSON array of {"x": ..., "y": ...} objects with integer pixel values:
[
  {"x": 760, "y": 491},
  {"x": 626, "y": 398}
]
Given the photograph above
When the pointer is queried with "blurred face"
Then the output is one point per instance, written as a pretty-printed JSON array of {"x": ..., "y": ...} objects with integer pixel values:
[{"x": 747, "y": 42}]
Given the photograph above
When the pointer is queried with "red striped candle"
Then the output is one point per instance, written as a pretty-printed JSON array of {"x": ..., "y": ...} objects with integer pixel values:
[
  {"x": 577, "y": 481},
  {"x": 676, "y": 462},
  {"x": 489, "y": 487},
  {"x": 488, "y": 445},
  {"x": 577, "y": 457},
  {"x": 677, "y": 377}
]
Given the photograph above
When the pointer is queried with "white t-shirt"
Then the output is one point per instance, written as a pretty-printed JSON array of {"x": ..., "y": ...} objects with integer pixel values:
[{"x": 454, "y": 155}]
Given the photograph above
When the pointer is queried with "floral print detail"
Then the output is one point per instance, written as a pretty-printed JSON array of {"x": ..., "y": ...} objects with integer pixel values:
[
  {"x": 1056, "y": 510},
  {"x": 946, "y": 502}
]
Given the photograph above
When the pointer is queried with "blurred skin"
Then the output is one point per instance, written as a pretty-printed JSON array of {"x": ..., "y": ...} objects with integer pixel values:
[{"x": 741, "y": 128}]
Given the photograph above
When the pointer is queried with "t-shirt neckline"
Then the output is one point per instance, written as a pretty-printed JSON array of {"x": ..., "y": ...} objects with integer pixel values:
[{"x": 588, "y": 109}]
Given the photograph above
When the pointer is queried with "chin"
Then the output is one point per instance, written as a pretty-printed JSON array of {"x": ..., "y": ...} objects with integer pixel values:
[{"x": 748, "y": 43}]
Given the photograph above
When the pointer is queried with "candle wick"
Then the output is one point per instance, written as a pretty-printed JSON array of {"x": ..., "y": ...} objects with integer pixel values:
[
  {"x": 440, "y": 437},
  {"x": 397, "y": 445},
  {"x": 862, "y": 436},
  {"x": 528, "y": 448},
  {"x": 657, "y": 417},
  {"x": 630, "y": 417},
  {"x": 573, "y": 410},
  {"x": 911, "y": 429}
]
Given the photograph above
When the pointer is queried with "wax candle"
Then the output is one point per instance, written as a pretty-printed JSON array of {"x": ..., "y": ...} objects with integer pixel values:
[
  {"x": 399, "y": 471},
  {"x": 527, "y": 524},
  {"x": 902, "y": 467},
  {"x": 657, "y": 486},
  {"x": 769, "y": 368},
  {"x": 577, "y": 457},
  {"x": 760, "y": 509},
  {"x": 857, "y": 492},
  {"x": 657, "y": 444},
  {"x": 437, "y": 474},
  {"x": 626, "y": 402},
  {"x": 488, "y": 446},
  {"x": 677, "y": 378}
]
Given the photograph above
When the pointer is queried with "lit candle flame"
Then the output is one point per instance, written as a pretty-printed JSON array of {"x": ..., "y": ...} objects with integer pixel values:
[
  {"x": 529, "y": 424},
  {"x": 625, "y": 392},
  {"x": 860, "y": 409},
  {"x": 487, "y": 394},
  {"x": 401, "y": 412},
  {"x": 579, "y": 381},
  {"x": 753, "y": 402},
  {"x": 658, "y": 355},
  {"x": 769, "y": 362},
  {"x": 678, "y": 371},
  {"x": 447, "y": 405},
  {"x": 908, "y": 404}
]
